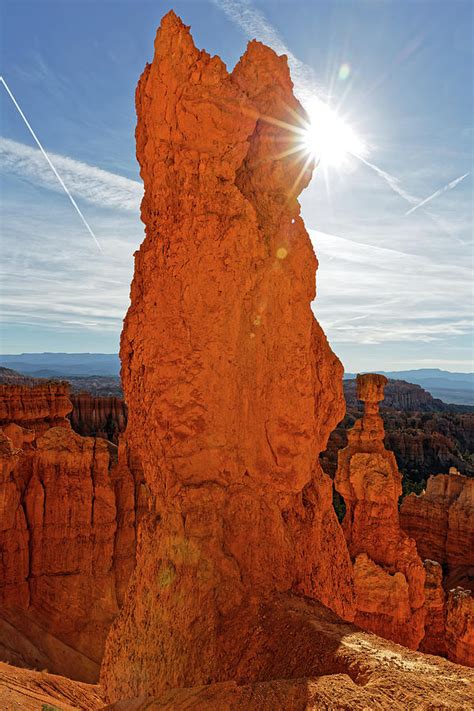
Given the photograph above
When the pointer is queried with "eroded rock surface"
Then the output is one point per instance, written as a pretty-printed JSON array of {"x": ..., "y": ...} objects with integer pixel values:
[
  {"x": 388, "y": 573},
  {"x": 231, "y": 386},
  {"x": 67, "y": 537},
  {"x": 441, "y": 520},
  {"x": 104, "y": 417},
  {"x": 460, "y": 626},
  {"x": 39, "y": 407},
  {"x": 434, "y": 641},
  {"x": 316, "y": 661},
  {"x": 27, "y": 690}
]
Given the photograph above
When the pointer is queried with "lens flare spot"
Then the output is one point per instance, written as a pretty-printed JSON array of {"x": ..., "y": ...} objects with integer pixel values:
[
  {"x": 282, "y": 253},
  {"x": 344, "y": 71}
]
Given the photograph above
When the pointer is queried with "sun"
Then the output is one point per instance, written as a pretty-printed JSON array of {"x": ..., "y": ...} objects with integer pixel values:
[{"x": 328, "y": 138}]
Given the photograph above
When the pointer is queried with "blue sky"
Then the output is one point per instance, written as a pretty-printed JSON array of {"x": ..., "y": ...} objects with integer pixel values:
[{"x": 394, "y": 290}]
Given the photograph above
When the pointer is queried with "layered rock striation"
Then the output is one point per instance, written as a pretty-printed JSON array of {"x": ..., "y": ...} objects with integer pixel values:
[
  {"x": 67, "y": 536},
  {"x": 37, "y": 407},
  {"x": 100, "y": 416},
  {"x": 389, "y": 576},
  {"x": 231, "y": 386},
  {"x": 441, "y": 520}
]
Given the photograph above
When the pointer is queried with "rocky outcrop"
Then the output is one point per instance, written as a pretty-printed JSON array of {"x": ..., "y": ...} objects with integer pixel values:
[
  {"x": 330, "y": 664},
  {"x": 38, "y": 408},
  {"x": 67, "y": 536},
  {"x": 231, "y": 386},
  {"x": 399, "y": 395},
  {"x": 104, "y": 417},
  {"x": 388, "y": 573},
  {"x": 441, "y": 520},
  {"x": 14, "y": 554},
  {"x": 434, "y": 641},
  {"x": 12, "y": 377},
  {"x": 27, "y": 690},
  {"x": 422, "y": 443},
  {"x": 460, "y": 626}
]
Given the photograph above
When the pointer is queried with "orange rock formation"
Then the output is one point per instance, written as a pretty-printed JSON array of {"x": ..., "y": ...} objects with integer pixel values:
[
  {"x": 460, "y": 626},
  {"x": 98, "y": 416},
  {"x": 233, "y": 391},
  {"x": 434, "y": 641},
  {"x": 388, "y": 573},
  {"x": 231, "y": 386},
  {"x": 38, "y": 408},
  {"x": 441, "y": 520},
  {"x": 329, "y": 664},
  {"x": 67, "y": 536}
]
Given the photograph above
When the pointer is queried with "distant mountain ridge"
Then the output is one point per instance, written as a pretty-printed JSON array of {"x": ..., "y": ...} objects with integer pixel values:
[
  {"x": 54, "y": 365},
  {"x": 450, "y": 387}
]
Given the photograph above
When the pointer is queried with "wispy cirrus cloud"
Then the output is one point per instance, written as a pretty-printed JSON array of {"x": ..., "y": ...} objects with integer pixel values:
[
  {"x": 255, "y": 25},
  {"x": 437, "y": 193},
  {"x": 92, "y": 184},
  {"x": 371, "y": 295}
]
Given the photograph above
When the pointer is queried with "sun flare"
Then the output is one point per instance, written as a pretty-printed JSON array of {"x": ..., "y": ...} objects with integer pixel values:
[{"x": 328, "y": 138}]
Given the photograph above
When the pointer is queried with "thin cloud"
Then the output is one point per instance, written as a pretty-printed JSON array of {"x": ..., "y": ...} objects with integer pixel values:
[
  {"x": 51, "y": 164},
  {"x": 442, "y": 190},
  {"x": 254, "y": 24},
  {"x": 374, "y": 295},
  {"x": 393, "y": 182},
  {"x": 92, "y": 184}
]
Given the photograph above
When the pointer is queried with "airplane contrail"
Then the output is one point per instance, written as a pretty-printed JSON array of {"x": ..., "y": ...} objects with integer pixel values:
[
  {"x": 391, "y": 180},
  {"x": 75, "y": 205},
  {"x": 447, "y": 187}
]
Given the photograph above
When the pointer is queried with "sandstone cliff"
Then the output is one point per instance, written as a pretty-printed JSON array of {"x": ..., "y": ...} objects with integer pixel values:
[
  {"x": 231, "y": 386},
  {"x": 460, "y": 626},
  {"x": 67, "y": 536},
  {"x": 38, "y": 408},
  {"x": 434, "y": 641},
  {"x": 388, "y": 573},
  {"x": 441, "y": 520},
  {"x": 98, "y": 416}
]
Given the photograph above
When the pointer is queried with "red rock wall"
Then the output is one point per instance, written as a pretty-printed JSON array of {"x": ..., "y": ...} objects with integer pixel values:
[
  {"x": 388, "y": 573},
  {"x": 441, "y": 520},
  {"x": 460, "y": 626},
  {"x": 39, "y": 408},
  {"x": 104, "y": 417},
  {"x": 434, "y": 641},
  {"x": 67, "y": 538},
  {"x": 231, "y": 385}
]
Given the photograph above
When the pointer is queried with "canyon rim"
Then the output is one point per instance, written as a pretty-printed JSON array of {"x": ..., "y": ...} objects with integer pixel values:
[{"x": 200, "y": 563}]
